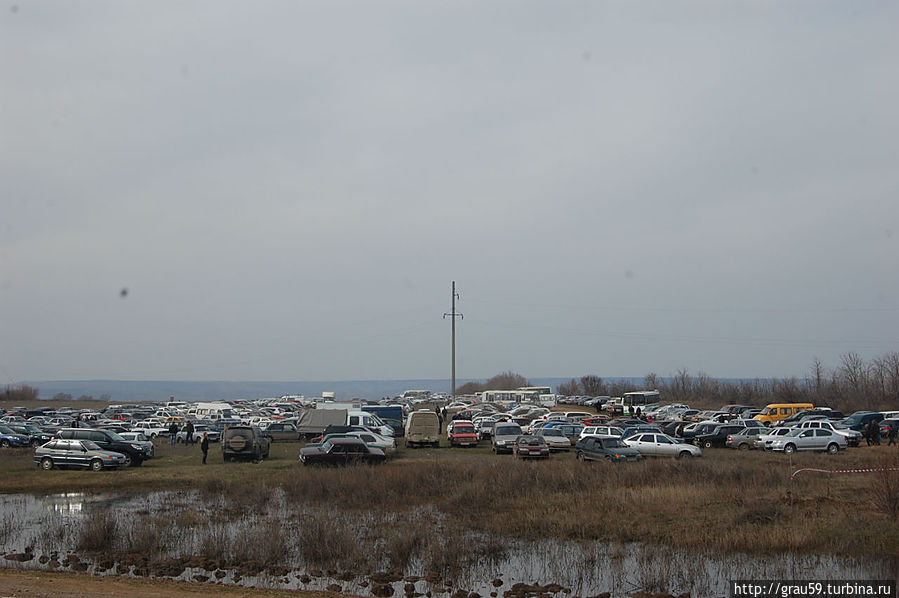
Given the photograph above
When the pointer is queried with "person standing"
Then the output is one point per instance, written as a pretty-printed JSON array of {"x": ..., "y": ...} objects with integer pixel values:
[
  {"x": 188, "y": 433},
  {"x": 173, "y": 432},
  {"x": 891, "y": 434},
  {"x": 204, "y": 446}
]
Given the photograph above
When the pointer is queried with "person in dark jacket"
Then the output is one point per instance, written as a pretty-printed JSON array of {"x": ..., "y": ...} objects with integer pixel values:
[
  {"x": 204, "y": 446},
  {"x": 188, "y": 433},
  {"x": 173, "y": 432}
]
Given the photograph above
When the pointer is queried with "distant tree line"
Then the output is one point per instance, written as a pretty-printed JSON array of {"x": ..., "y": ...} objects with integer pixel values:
[
  {"x": 853, "y": 385},
  {"x": 23, "y": 393},
  {"x": 504, "y": 381}
]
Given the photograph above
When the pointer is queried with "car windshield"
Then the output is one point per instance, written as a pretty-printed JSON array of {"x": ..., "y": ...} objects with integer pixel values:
[
  {"x": 463, "y": 430},
  {"x": 115, "y": 437},
  {"x": 611, "y": 443},
  {"x": 552, "y": 432},
  {"x": 326, "y": 445},
  {"x": 90, "y": 445}
]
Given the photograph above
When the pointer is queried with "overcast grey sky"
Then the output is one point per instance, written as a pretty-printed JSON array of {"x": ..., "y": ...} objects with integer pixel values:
[{"x": 288, "y": 189}]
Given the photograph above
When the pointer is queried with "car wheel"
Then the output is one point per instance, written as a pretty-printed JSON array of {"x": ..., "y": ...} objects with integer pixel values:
[
  {"x": 97, "y": 465},
  {"x": 46, "y": 463},
  {"x": 789, "y": 449},
  {"x": 743, "y": 446},
  {"x": 707, "y": 444},
  {"x": 833, "y": 448},
  {"x": 128, "y": 461},
  {"x": 685, "y": 455},
  {"x": 579, "y": 456},
  {"x": 4, "y": 443}
]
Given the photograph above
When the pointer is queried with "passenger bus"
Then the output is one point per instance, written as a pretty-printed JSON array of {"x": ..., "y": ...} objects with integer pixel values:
[
  {"x": 638, "y": 398},
  {"x": 510, "y": 396}
]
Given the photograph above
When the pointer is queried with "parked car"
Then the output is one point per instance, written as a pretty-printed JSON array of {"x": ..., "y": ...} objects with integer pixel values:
[
  {"x": 770, "y": 434},
  {"x": 571, "y": 431},
  {"x": 342, "y": 451},
  {"x": 197, "y": 434},
  {"x": 853, "y": 438},
  {"x": 745, "y": 438},
  {"x": 108, "y": 441},
  {"x": 602, "y": 431},
  {"x": 644, "y": 427},
  {"x": 530, "y": 447},
  {"x": 661, "y": 445},
  {"x": 596, "y": 448},
  {"x": 809, "y": 440},
  {"x": 64, "y": 453},
  {"x": 245, "y": 443},
  {"x": 555, "y": 439},
  {"x": 860, "y": 419},
  {"x": 386, "y": 444},
  {"x": 142, "y": 441},
  {"x": 11, "y": 439},
  {"x": 717, "y": 437},
  {"x": 282, "y": 431},
  {"x": 504, "y": 436},
  {"x": 37, "y": 436},
  {"x": 422, "y": 428},
  {"x": 462, "y": 433}
]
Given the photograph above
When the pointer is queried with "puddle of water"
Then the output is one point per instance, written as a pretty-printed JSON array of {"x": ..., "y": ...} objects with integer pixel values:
[{"x": 278, "y": 545}]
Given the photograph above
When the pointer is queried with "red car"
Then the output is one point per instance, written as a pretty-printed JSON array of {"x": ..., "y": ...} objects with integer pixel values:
[
  {"x": 463, "y": 434},
  {"x": 597, "y": 420}
]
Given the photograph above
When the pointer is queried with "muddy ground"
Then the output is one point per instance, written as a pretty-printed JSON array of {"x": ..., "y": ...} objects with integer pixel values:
[{"x": 38, "y": 584}]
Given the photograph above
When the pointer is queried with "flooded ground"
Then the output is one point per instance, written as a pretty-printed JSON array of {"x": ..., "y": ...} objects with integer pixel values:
[{"x": 272, "y": 544}]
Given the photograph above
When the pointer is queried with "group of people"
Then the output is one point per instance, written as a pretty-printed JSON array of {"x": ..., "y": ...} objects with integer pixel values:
[
  {"x": 873, "y": 436},
  {"x": 189, "y": 437}
]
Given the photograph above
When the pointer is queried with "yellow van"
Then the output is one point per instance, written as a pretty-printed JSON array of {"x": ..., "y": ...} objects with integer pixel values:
[{"x": 777, "y": 411}]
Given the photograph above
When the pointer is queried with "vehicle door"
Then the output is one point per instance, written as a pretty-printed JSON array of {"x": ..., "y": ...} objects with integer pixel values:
[
  {"x": 807, "y": 441},
  {"x": 664, "y": 446},
  {"x": 76, "y": 454},
  {"x": 645, "y": 443},
  {"x": 337, "y": 455},
  {"x": 824, "y": 437}
]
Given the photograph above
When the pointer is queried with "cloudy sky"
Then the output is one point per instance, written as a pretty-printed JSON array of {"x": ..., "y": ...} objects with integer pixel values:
[{"x": 286, "y": 190}]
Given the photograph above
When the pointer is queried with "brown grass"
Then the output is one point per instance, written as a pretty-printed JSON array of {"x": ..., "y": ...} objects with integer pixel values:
[{"x": 725, "y": 501}]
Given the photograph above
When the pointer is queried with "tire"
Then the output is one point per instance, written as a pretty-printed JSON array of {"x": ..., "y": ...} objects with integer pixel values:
[
  {"x": 743, "y": 446},
  {"x": 4, "y": 443},
  {"x": 833, "y": 448},
  {"x": 129, "y": 461},
  {"x": 46, "y": 463},
  {"x": 685, "y": 455},
  {"x": 238, "y": 443},
  {"x": 579, "y": 456},
  {"x": 707, "y": 444},
  {"x": 790, "y": 449},
  {"x": 96, "y": 465}
]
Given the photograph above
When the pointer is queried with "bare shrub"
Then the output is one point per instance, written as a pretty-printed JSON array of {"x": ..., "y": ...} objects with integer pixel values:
[
  {"x": 99, "y": 532},
  {"x": 328, "y": 539},
  {"x": 885, "y": 489},
  {"x": 266, "y": 544}
]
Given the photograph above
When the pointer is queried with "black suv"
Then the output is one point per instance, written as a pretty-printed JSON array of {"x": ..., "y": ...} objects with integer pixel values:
[
  {"x": 245, "y": 443},
  {"x": 108, "y": 441}
]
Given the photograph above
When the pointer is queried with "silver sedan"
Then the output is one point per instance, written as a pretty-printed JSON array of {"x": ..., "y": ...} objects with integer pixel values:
[
  {"x": 655, "y": 444},
  {"x": 818, "y": 439}
]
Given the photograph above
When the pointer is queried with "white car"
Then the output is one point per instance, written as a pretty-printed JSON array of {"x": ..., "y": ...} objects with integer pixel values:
[
  {"x": 140, "y": 440},
  {"x": 656, "y": 444},
  {"x": 853, "y": 437},
  {"x": 764, "y": 441},
  {"x": 602, "y": 431},
  {"x": 812, "y": 439},
  {"x": 388, "y": 445},
  {"x": 554, "y": 437}
]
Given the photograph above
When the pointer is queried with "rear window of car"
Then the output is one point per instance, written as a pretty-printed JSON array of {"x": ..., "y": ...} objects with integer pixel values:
[{"x": 507, "y": 430}]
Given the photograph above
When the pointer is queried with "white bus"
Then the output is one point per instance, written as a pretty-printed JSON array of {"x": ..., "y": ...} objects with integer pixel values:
[
  {"x": 639, "y": 398},
  {"x": 545, "y": 394},
  {"x": 519, "y": 395}
]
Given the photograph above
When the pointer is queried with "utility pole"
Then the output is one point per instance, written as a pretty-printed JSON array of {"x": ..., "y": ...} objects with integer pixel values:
[{"x": 452, "y": 316}]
